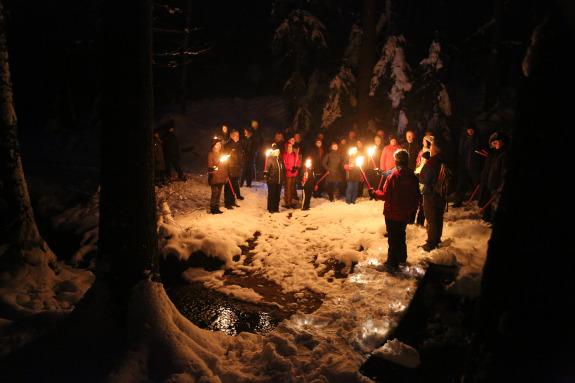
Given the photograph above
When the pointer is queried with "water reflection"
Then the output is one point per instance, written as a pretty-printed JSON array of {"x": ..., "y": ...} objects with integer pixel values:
[{"x": 225, "y": 321}]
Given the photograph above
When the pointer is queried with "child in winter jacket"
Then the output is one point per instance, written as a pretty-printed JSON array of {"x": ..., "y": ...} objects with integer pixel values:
[
  {"x": 401, "y": 196},
  {"x": 308, "y": 183}
]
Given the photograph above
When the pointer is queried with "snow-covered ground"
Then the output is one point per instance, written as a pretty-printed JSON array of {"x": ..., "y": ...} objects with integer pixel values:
[{"x": 293, "y": 250}]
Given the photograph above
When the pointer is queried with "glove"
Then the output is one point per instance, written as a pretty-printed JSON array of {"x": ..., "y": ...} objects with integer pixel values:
[
  {"x": 371, "y": 193},
  {"x": 294, "y": 169},
  {"x": 266, "y": 173}
]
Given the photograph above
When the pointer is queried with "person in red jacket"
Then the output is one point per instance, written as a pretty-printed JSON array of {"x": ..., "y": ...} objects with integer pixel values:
[
  {"x": 401, "y": 195},
  {"x": 387, "y": 161},
  {"x": 292, "y": 164}
]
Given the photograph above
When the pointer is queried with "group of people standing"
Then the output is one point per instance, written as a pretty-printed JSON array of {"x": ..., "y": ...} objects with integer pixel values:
[{"x": 415, "y": 177}]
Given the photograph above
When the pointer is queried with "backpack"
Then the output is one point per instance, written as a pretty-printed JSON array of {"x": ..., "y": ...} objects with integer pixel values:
[{"x": 444, "y": 185}]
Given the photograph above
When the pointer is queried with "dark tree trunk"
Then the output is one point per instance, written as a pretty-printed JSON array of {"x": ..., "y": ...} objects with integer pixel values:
[
  {"x": 127, "y": 237},
  {"x": 366, "y": 63},
  {"x": 26, "y": 250},
  {"x": 524, "y": 329}
]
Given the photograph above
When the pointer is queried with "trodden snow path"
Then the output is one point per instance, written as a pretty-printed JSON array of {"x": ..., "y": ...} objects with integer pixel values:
[{"x": 293, "y": 250}]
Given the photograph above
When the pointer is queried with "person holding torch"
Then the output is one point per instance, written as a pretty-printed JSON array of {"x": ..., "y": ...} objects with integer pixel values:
[
  {"x": 353, "y": 175},
  {"x": 401, "y": 196},
  {"x": 308, "y": 183},
  {"x": 217, "y": 174}
]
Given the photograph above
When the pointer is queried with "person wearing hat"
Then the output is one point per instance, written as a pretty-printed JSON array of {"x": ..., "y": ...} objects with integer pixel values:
[
  {"x": 433, "y": 203},
  {"x": 401, "y": 195},
  {"x": 493, "y": 172},
  {"x": 387, "y": 161},
  {"x": 317, "y": 153},
  {"x": 217, "y": 174}
]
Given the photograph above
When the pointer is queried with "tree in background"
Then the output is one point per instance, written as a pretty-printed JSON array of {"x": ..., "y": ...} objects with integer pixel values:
[
  {"x": 299, "y": 42},
  {"x": 339, "y": 110},
  {"x": 427, "y": 103},
  {"x": 390, "y": 82},
  {"x": 176, "y": 43},
  {"x": 23, "y": 251},
  {"x": 87, "y": 352}
]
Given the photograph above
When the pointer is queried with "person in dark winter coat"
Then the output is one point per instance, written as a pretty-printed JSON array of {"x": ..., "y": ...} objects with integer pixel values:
[
  {"x": 171, "y": 146},
  {"x": 353, "y": 177},
  {"x": 308, "y": 182},
  {"x": 433, "y": 203},
  {"x": 401, "y": 195},
  {"x": 412, "y": 147},
  {"x": 275, "y": 175},
  {"x": 493, "y": 172},
  {"x": 232, "y": 188},
  {"x": 217, "y": 174},
  {"x": 470, "y": 164},
  {"x": 249, "y": 150},
  {"x": 258, "y": 141},
  {"x": 159, "y": 163},
  {"x": 317, "y": 153},
  {"x": 333, "y": 163}
]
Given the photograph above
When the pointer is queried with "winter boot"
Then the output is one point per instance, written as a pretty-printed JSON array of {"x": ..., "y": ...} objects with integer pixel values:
[{"x": 217, "y": 210}]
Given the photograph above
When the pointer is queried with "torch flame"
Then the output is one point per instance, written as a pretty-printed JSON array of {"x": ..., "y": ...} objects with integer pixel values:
[
  {"x": 308, "y": 163},
  {"x": 224, "y": 158},
  {"x": 371, "y": 150},
  {"x": 359, "y": 161},
  {"x": 352, "y": 151},
  {"x": 268, "y": 152}
]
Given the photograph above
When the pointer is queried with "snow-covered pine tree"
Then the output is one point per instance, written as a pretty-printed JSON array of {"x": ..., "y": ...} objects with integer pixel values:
[
  {"x": 298, "y": 42},
  {"x": 391, "y": 81},
  {"x": 339, "y": 109},
  {"x": 428, "y": 103}
]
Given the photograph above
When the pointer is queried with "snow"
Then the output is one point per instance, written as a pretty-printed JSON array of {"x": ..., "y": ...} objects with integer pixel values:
[{"x": 293, "y": 250}]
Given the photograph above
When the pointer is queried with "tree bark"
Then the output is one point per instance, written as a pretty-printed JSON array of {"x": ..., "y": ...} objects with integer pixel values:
[
  {"x": 127, "y": 236},
  {"x": 524, "y": 328},
  {"x": 19, "y": 231}
]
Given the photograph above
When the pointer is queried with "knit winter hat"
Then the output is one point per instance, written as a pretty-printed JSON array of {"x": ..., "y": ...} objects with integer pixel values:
[
  {"x": 429, "y": 140},
  {"x": 392, "y": 137},
  {"x": 215, "y": 140}
]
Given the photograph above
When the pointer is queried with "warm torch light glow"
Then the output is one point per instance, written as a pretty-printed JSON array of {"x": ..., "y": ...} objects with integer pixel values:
[
  {"x": 308, "y": 163},
  {"x": 224, "y": 158},
  {"x": 371, "y": 150},
  {"x": 268, "y": 152},
  {"x": 352, "y": 151},
  {"x": 359, "y": 161}
]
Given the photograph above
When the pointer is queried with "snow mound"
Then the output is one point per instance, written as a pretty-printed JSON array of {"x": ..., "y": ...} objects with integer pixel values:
[{"x": 399, "y": 353}]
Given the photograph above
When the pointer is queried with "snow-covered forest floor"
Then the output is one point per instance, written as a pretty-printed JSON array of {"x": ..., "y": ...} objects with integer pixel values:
[{"x": 342, "y": 308}]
